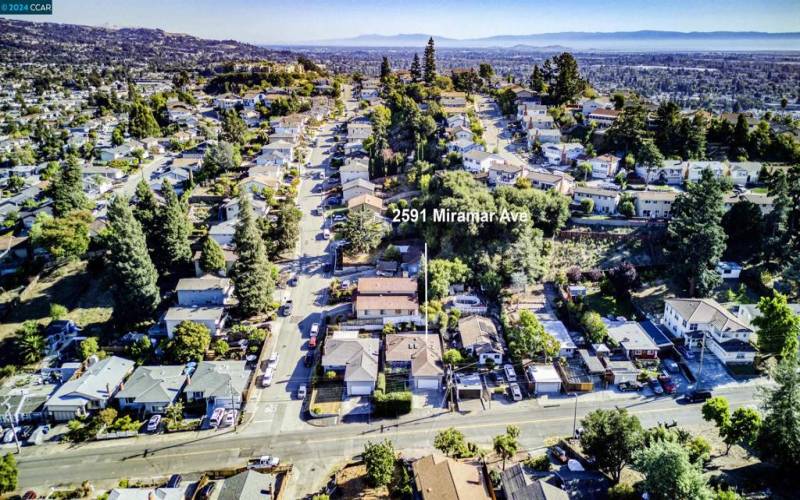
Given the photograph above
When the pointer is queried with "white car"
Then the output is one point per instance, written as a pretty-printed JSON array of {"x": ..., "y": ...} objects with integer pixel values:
[
  {"x": 315, "y": 329},
  {"x": 516, "y": 393},
  {"x": 273, "y": 360},
  {"x": 266, "y": 379},
  {"x": 268, "y": 461},
  {"x": 152, "y": 424},
  {"x": 511, "y": 375},
  {"x": 217, "y": 416},
  {"x": 326, "y": 234},
  {"x": 230, "y": 418},
  {"x": 301, "y": 392}
]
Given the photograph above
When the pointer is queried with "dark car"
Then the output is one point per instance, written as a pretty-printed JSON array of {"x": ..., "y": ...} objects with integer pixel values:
[
  {"x": 174, "y": 481},
  {"x": 207, "y": 491},
  {"x": 629, "y": 386},
  {"x": 309, "y": 359},
  {"x": 293, "y": 281},
  {"x": 667, "y": 383},
  {"x": 656, "y": 386},
  {"x": 559, "y": 454},
  {"x": 698, "y": 395}
]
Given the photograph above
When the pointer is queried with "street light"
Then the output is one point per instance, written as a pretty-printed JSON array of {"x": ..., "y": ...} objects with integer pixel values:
[{"x": 575, "y": 415}]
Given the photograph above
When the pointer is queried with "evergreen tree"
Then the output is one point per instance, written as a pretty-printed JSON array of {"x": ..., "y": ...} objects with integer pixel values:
[
  {"x": 696, "y": 234},
  {"x": 233, "y": 127},
  {"x": 66, "y": 189},
  {"x": 777, "y": 234},
  {"x": 537, "y": 80},
  {"x": 142, "y": 123},
  {"x": 146, "y": 210},
  {"x": 8, "y": 473},
  {"x": 568, "y": 84},
  {"x": 212, "y": 258},
  {"x": 778, "y": 327},
  {"x": 430, "y": 62},
  {"x": 486, "y": 71},
  {"x": 741, "y": 138},
  {"x": 253, "y": 283},
  {"x": 136, "y": 293},
  {"x": 386, "y": 68},
  {"x": 779, "y": 441},
  {"x": 416, "y": 69},
  {"x": 174, "y": 229}
]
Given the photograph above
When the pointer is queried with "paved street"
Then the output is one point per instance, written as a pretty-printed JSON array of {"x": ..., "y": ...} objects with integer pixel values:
[{"x": 495, "y": 132}]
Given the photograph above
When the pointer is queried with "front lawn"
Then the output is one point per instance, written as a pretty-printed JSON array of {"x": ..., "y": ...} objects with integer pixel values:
[{"x": 607, "y": 305}]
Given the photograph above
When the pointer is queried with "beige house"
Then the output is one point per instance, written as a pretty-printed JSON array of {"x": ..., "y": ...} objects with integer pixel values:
[
  {"x": 417, "y": 354},
  {"x": 355, "y": 188},
  {"x": 387, "y": 299},
  {"x": 654, "y": 204},
  {"x": 441, "y": 478},
  {"x": 561, "y": 184},
  {"x": 366, "y": 202}
]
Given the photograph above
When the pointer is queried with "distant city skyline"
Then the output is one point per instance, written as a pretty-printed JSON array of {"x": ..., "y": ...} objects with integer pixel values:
[{"x": 273, "y": 22}]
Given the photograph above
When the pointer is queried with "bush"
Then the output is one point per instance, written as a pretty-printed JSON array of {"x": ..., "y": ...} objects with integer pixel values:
[
  {"x": 574, "y": 274},
  {"x": 381, "y": 384},
  {"x": 540, "y": 463},
  {"x": 593, "y": 275},
  {"x": 622, "y": 491},
  {"x": 587, "y": 206},
  {"x": 393, "y": 404}
]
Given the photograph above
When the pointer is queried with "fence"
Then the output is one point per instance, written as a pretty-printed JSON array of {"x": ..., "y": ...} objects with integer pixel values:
[{"x": 115, "y": 435}]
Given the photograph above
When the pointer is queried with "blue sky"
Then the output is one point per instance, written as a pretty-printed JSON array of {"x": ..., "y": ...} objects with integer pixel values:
[{"x": 286, "y": 21}]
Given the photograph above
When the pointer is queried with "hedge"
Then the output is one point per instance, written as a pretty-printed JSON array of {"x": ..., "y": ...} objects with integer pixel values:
[{"x": 393, "y": 404}]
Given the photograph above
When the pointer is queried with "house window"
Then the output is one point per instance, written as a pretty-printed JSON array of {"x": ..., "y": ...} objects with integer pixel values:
[{"x": 693, "y": 326}]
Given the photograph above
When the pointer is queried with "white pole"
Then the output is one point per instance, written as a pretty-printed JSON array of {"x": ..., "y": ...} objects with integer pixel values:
[{"x": 426, "y": 294}]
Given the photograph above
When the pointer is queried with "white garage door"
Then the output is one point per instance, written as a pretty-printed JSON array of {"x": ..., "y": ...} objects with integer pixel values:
[
  {"x": 359, "y": 389},
  {"x": 428, "y": 383}
]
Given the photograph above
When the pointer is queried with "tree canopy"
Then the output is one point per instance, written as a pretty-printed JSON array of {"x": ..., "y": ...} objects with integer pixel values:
[
  {"x": 190, "y": 342},
  {"x": 611, "y": 437}
]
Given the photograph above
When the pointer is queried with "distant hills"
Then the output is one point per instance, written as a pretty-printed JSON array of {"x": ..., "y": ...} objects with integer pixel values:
[{"x": 601, "y": 41}]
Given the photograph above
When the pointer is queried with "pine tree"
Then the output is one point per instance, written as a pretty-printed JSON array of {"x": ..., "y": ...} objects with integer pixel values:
[
  {"x": 779, "y": 442},
  {"x": 430, "y": 63},
  {"x": 145, "y": 210},
  {"x": 142, "y": 122},
  {"x": 66, "y": 189},
  {"x": 174, "y": 229},
  {"x": 537, "y": 80},
  {"x": 253, "y": 283},
  {"x": 697, "y": 236},
  {"x": 416, "y": 69},
  {"x": 212, "y": 259},
  {"x": 136, "y": 294},
  {"x": 386, "y": 68}
]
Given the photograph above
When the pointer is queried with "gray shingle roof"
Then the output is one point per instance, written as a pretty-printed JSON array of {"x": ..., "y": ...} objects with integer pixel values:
[{"x": 154, "y": 384}]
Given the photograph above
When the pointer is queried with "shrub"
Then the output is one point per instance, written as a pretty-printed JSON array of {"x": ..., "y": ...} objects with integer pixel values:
[
  {"x": 622, "y": 491},
  {"x": 593, "y": 275},
  {"x": 540, "y": 463},
  {"x": 574, "y": 274},
  {"x": 587, "y": 206},
  {"x": 393, "y": 404}
]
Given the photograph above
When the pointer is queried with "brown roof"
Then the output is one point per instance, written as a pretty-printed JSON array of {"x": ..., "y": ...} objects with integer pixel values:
[
  {"x": 365, "y": 199},
  {"x": 612, "y": 113},
  {"x": 442, "y": 478},
  {"x": 406, "y": 346},
  {"x": 479, "y": 330},
  {"x": 401, "y": 302},
  {"x": 387, "y": 286}
]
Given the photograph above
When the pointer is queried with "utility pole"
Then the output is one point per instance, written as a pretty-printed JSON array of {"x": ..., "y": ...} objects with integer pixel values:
[
  {"x": 699, "y": 383},
  {"x": 575, "y": 416}
]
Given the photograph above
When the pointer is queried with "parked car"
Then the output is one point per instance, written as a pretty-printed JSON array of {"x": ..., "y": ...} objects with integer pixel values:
[
  {"x": 287, "y": 308},
  {"x": 153, "y": 423},
  {"x": 216, "y": 416},
  {"x": 344, "y": 285},
  {"x": 207, "y": 490},
  {"x": 514, "y": 390},
  {"x": 30, "y": 495},
  {"x": 312, "y": 343},
  {"x": 667, "y": 383},
  {"x": 301, "y": 392},
  {"x": 314, "y": 330},
  {"x": 629, "y": 386},
  {"x": 266, "y": 379},
  {"x": 309, "y": 359},
  {"x": 267, "y": 461},
  {"x": 698, "y": 396},
  {"x": 559, "y": 454},
  {"x": 671, "y": 365},
  {"x": 656, "y": 386},
  {"x": 292, "y": 281},
  {"x": 511, "y": 375},
  {"x": 174, "y": 481},
  {"x": 230, "y": 417},
  {"x": 326, "y": 234},
  {"x": 339, "y": 218},
  {"x": 273, "y": 359}
]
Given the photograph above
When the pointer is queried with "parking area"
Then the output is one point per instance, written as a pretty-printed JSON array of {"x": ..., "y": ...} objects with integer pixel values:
[{"x": 714, "y": 372}]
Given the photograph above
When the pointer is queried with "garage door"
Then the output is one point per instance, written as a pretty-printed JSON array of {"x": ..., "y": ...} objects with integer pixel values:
[
  {"x": 359, "y": 389},
  {"x": 428, "y": 383}
]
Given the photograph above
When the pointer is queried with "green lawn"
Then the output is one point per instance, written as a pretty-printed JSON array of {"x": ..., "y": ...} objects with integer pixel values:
[{"x": 608, "y": 305}]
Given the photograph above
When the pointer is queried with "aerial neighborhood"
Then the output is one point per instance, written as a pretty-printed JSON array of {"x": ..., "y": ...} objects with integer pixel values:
[{"x": 255, "y": 273}]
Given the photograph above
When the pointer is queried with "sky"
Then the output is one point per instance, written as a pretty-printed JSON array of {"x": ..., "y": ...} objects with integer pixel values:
[{"x": 292, "y": 21}]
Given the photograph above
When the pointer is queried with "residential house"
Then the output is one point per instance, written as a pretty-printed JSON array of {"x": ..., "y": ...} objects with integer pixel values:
[
  {"x": 387, "y": 308},
  {"x": 91, "y": 390},
  {"x": 635, "y": 342},
  {"x": 592, "y": 105},
  {"x": 366, "y": 202},
  {"x": 654, "y": 204},
  {"x": 605, "y": 200},
  {"x": 357, "y": 187},
  {"x": 249, "y": 485},
  {"x": 358, "y": 131},
  {"x": 727, "y": 336},
  {"x": 696, "y": 168},
  {"x": 282, "y": 148},
  {"x": 479, "y": 336},
  {"x": 764, "y": 202},
  {"x": 151, "y": 389},
  {"x": 543, "y": 136},
  {"x": 212, "y": 317},
  {"x": 58, "y": 334},
  {"x": 558, "y": 154},
  {"x": 354, "y": 168},
  {"x": 728, "y": 270},
  {"x": 419, "y": 355},
  {"x": 442, "y": 478},
  {"x": 457, "y": 120},
  {"x": 604, "y": 166},
  {"x": 604, "y": 118},
  {"x": 461, "y": 133},
  {"x": 505, "y": 173},
  {"x": 219, "y": 384},
  {"x": 559, "y": 182},
  {"x": 541, "y": 122},
  {"x": 620, "y": 371},
  {"x": 671, "y": 172},
  {"x": 356, "y": 358},
  {"x": 258, "y": 183},
  {"x": 543, "y": 379},
  {"x": 206, "y": 291},
  {"x": 519, "y": 483},
  {"x": 476, "y": 161},
  {"x": 558, "y": 331},
  {"x": 223, "y": 233},
  {"x": 463, "y": 146}
]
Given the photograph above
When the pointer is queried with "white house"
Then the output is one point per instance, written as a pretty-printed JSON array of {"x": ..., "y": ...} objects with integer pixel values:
[
  {"x": 462, "y": 146},
  {"x": 544, "y": 378},
  {"x": 543, "y": 136},
  {"x": 476, "y": 161},
  {"x": 480, "y": 338},
  {"x": 696, "y": 169},
  {"x": 206, "y": 291},
  {"x": 284, "y": 148},
  {"x": 356, "y": 358},
  {"x": 727, "y": 336},
  {"x": 505, "y": 173},
  {"x": 357, "y": 187},
  {"x": 354, "y": 168},
  {"x": 728, "y": 270},
  {"x": 213, "y": 317},
  {"x": 672, "y": 172},
  {"x": 604, "y": 167},
  {"x": 605, "y": 200},
  {"x": 562, "y": 153},
  {"x": 558, "y": 331},
  {"x": 223, "y": 233}
]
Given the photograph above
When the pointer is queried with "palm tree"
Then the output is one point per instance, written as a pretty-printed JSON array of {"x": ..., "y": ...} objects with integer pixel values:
[
  {"x": 506, "y": 445},
  {"x": 30, "y": 342}
]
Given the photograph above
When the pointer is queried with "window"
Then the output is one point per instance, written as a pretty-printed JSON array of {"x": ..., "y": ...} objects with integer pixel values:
[{"x": 693, "y": 326}]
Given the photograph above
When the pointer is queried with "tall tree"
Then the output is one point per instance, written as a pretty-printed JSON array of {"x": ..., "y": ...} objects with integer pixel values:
[
  {"x": 233, "y": 127},
  {"x": 568, "y": 84},
  {"x": 386, "y": 68},
  {"x": 416, "y": 69},
  {"x": 741, "y": 138},
  {"x": 141, "y": 122},
  {"x": 486, "y": 71},
  {"x": 363, "y": 232},
  {"x": 64, "y": 237},
  {"x": 212, "y": 258},
  {"x": 779, "y": 441},
  {"x": 451, "y": 442},
  {"x": 29, "y": 342},
  {"x": 8, "y": 473},
  {"x": 174, "y": 229},
  {"x": 189, "y": 342},
  {"x": 430, "y": 63},
  {"x": 379, "y": 459},
  {"x": 670, "y": 474},
  {"x": 778, "y": 327},
  {"x": 696, "y": 234},
  {"x": 611, "y": 437},
  {"x": 743, "y": 225},
  {"x": 219, "y": 158},
  {"x": 743, "y": 428},
  {"x": 506, "y": 445},
  {"x": 66, "y": 189},
  {"x": 134, "y": 276},
  {"x": 537, "y": 80},
  {"x": 146, "y": 210},
  {"x": 528, "y": 339},
  {"x": 252, "y": 277}
]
